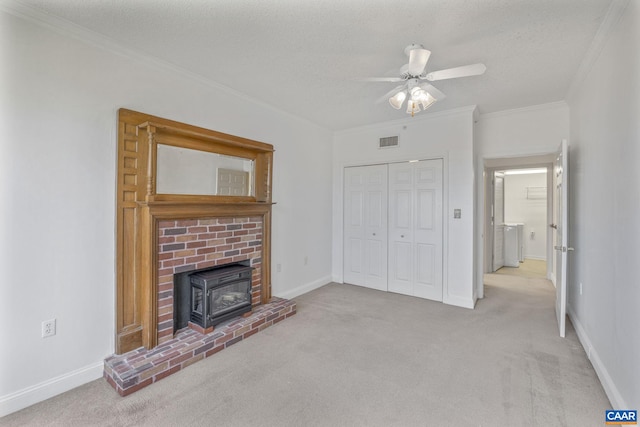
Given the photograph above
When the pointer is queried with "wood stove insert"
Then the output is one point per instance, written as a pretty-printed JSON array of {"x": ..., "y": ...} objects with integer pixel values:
[{"x": 212, "y": 296}]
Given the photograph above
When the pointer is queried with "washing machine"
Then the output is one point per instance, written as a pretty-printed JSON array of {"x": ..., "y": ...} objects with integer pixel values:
[
  {"x": 518, "y": 244},
  {"x": 511, "y": 246}
]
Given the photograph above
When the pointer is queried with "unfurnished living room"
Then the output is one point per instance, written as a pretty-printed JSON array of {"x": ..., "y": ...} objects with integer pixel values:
[{"x": 330, "y": 213}]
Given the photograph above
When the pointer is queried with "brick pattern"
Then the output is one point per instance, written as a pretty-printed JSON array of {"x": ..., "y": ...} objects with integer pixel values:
[
  {"x": 187, "y": 245},
  {"x": 139, "y": 368}
]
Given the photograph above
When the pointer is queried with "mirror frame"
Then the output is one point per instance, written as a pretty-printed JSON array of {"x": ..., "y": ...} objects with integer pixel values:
[
  {"x": 139, "y": 208},
  {"x": 158, "y": 132}
]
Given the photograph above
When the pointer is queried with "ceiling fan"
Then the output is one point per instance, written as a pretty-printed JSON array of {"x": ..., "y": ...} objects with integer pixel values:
[{"x": 421, "y": 95}]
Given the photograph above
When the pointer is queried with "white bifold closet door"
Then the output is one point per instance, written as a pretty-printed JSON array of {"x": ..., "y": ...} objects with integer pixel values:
[
  {"x": 365, "y": 226},
  {"x": 415, "y": 229}
]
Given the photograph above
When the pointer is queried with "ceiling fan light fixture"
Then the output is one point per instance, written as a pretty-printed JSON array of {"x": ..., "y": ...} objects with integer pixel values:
[
  {"x": 421, "y": 95},
  {"x": 419, "y": 98},
  {"x": 397, "y": 99}
]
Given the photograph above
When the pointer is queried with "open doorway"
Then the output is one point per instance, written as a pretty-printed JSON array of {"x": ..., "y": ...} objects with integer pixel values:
[
  {"x": 493, "y": 241},
  {"x": 555, "y": 227},
  {"x": 520, "y": 222}
]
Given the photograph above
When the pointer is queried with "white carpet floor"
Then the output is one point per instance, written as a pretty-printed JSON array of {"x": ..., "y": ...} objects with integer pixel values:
[{"x": 358, "y": 357}]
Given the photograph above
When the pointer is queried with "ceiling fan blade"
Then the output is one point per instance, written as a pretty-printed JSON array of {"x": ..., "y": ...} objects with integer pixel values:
[
  {"x": 382, "y": 79},
  {"x": 418, "y": 60},
  {"x": 389, "y": 94},
  {"x": 452, "y": 73},
  {"x": 433, "y": 91}
]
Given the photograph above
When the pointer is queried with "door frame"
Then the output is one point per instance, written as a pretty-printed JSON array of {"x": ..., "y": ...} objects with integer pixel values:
[{"x": 485, "y": 244}]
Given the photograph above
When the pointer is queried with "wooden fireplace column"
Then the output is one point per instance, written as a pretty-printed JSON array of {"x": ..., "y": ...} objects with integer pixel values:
[{"x": 139, "y": 208}]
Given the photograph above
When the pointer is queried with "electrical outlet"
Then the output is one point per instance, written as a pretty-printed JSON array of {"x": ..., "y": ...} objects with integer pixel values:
[
  {"x": 278, "y": 268},
  {"x": 48, "y": 328}
]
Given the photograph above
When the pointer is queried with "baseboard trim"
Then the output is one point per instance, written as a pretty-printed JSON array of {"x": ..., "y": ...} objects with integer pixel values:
[
  {"x": 609, "y": 386},
  {"x": 37, "y": 393},
  {"x": 303, "y": 289},
  {"x": 459, "y": 301}
]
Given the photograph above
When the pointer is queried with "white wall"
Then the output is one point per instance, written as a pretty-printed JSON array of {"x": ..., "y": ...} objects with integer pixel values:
[
  {"x": 604, "y": 154},
  {"x": 529, "y": 131},
  {"x": 446, "y": 135},
  {"x": 519, "y": 208},
  {"x": 59, "y": 107}
]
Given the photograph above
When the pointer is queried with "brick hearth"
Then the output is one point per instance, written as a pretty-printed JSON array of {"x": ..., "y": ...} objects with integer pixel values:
[{"x": 139, "y": 368}]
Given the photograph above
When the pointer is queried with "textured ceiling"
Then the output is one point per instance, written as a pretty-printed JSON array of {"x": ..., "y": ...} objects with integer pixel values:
[{"x": 305, "y": 57}]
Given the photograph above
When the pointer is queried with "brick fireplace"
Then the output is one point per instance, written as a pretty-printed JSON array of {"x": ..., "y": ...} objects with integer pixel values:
[
  {"x": 190, "y": 245},
  {"x": 161, "y": 231}
]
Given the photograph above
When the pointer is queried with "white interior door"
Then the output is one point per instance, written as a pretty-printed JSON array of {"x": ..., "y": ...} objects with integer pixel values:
[
  {"x": 561, "y": 227},
  {"x": 415, "y": 229},
  {"x": 365, "y": 226},
  {"x": 498, "y": 220},
  {"x": 232, "y": 182}
]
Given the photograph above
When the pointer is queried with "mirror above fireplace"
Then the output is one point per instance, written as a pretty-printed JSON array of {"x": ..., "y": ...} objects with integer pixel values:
[{"x": 186, "y": 171}]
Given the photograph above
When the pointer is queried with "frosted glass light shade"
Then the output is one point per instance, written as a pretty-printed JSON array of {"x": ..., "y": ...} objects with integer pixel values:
[
  {"x": 417, "y": 60},
  {"x": 427, "y": 100},
  {"x": 417, "y": 93},
  {"x": 422, "y": 98},
  {"x": 412, "y": 107},
  {"x": 397, "y": 99}
]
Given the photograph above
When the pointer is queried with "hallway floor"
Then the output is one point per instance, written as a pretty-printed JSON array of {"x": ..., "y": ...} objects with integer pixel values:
[{"x": 532, "y": 268}]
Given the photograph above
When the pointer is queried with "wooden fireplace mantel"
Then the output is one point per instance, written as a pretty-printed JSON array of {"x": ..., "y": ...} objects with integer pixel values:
[{"x": 139, "y": 208}]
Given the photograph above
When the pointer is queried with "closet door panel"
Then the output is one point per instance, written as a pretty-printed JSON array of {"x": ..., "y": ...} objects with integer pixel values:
[
  {"x": 401, "y": 207},
  {"x": 354, "y": 228},
  {"x": 428, "y": 238},
  {"x": 400, "y": 271},
  {"x": 401, "y": 263},
  {"x": 426, "y": 210},
  {"x": 415, "y": 231},
  {"x": 365, "y": 226},
  {"x": 425, "y": 270},
  {"x": 355, "y": 252},
  {"x": 376, "y": 250}
]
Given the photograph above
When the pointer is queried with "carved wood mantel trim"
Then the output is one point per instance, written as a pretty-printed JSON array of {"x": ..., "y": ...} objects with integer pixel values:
[{"x": 139, "y": 209}]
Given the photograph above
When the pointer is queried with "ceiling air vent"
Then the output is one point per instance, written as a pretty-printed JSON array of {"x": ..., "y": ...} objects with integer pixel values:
[{"x": 388, "y": 142}]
